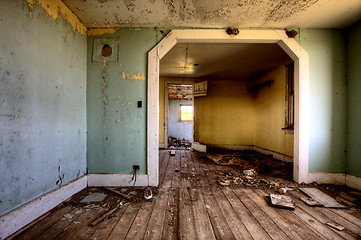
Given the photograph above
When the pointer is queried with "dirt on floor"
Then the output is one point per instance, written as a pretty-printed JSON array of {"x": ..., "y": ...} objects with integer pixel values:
[{"x": 255, "y": 170}]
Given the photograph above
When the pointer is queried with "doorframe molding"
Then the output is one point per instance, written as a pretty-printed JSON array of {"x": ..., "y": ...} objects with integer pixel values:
[{"x": 301, "y": 77}]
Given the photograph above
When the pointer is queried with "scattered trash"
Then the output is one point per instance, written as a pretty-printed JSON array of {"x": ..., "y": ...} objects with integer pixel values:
[
  {"x": 335, "y": 226},
  {"x": 63, "y": 219},
  {"x": 321, "y": 197},
  {"x": 148, "y": 194},
  {"x": 250, "y": 172},
  {"x": 176, "y": 170},
  {"x": 208, "y": 207},
  {"x": 76, "y": 222},
  {"x": 282, "y": 201},
  {"x": 224, "y": 182},
  {"x": 107, "y": 214},
  {"x": 263, "y": 181},
  {"x": 133, "y": 193},
  {"x": 172, "y": 152},
  {"x": 119, "y": 193},
  {"x": 79, "y": 212},
  {"x": 312, "y": 202},
  {"x": 175, "y": 142},
  {"x": 123, "y": 190},
  {"x": 282, "y": 190},
  {"x": 94, "y": 197},
  {"x": 68, "y": 216}
]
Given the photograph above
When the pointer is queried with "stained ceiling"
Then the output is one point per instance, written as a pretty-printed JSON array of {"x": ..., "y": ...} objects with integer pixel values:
[
  {"x": 222, "y": 61},
  {"x": 217, "y": 13}
]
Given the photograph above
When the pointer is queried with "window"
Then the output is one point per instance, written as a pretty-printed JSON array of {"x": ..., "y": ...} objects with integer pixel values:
[
  {"x": 290, "y": 99},
  {"x": 186, "y": 113}
]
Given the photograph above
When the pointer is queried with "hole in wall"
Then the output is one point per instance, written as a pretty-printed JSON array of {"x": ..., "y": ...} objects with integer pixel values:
[{"x": 107, "y": 50}]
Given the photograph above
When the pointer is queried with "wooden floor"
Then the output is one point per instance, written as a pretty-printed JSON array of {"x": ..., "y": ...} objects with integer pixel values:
[{"x": 190, "y": 205}]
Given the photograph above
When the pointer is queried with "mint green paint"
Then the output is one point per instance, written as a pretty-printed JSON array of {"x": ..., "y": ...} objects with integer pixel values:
[
  {"x": 116, "y": 127},
  {"x": 43, "y": 79},
  {"x": 354, "y": 100},
  {"x": 327, "y": 136}
]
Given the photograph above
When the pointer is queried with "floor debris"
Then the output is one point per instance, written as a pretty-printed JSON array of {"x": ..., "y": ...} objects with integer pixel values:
[
  {"x": 311, "y": 202},
  {"x": 119, "y": 193},
  {"x": 335, "y": 226},
  {"x": 281, "y": 201},
  {"x": 321, "y": 197},
  {"x": 107, "y": 214},
  {"x": 94, "y": 197}
]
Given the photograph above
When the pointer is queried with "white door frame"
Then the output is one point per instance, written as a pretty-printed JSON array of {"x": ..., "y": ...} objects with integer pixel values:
[{"x": 289, "y": 45}]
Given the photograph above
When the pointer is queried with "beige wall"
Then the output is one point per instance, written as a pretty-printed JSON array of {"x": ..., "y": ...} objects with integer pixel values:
[
  {"x": 226, "y": 115},
  {"x": 230, "y": 115},
  {"x": 270, "y": 114}
]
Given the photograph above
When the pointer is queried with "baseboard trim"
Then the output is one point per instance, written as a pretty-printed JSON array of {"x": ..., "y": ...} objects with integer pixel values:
[
  {"x": 274, "y": 154},
  {"x": 162, "y": 145},
  {"x": 116, "y": 180},
  {"x": 327, "y": 178},
  {"x": 353, "y": 181},
  {"x": 22, "y": 216},
  {"x": 199, "y": 147}
]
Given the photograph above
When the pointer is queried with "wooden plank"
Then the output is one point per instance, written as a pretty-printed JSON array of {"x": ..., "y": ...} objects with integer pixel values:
[
  {"x": 122, "y": 227},
  {"x": 41, "y": 226},
  {"x": 156, "y": 224},
  {"x": 325, "y": 215},
  {"x": 105, "y": 227},
  {"x": 220, "y": 226},
  {"x": 281, "y": 201},
  {"x": 186, "y": 216},
  {"x": 321, "y": 197},
  {"x": 164, "y": 161},
  {"x": 265, "y": 221},
  {"x": 302, "y": 228},
  {"x": 253, "y": 227},
  {"x": 348, "y": 217},
  {"x": 140, "y": 223}
]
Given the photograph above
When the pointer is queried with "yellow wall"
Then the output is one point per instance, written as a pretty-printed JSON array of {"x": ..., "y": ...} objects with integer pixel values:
[
  {"x": 226, "y": 115},
  {"x": 230, "y": 115},
  {"x": 270, "y": 114}
]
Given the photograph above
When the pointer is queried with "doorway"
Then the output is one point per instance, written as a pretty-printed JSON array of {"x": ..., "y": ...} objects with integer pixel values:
[{"x": 291, "y": 47}]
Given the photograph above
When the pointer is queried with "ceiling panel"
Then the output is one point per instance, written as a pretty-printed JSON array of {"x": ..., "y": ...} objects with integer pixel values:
[{"x": 229, "y": 61}]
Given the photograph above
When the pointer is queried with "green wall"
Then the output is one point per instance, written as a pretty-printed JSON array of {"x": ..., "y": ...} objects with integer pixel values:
[
  {"x": 116, "y": 126},
  {"x": 42, "y": 104},
  {"x": 327, "y": 102},
  {"x": 354, "y": 100}
]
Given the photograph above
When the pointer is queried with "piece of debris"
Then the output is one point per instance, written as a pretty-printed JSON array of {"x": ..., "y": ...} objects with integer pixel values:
[
  {"x": 68, "y": 216},
  {"x": 123, "y": 190},
  {"x": 282, "y": 190},
  {"x": 119, "y": 193},
  {"x": 172, "y": 152},
  {"x": 148, "y": 194},
  {"x": 94, "y": 197},
  {"x": 321, "y": 197},
  {"x": 232, "y": 31},
  {"x": 176, "y": 170},
  {"x": 79, "y": 212},
  {"x": 274, "y": 184},
  {"x": 207, "y": 206},
  {"x": 263, "y": 181},
  {"x": 133, "y": 193},
  {"x": 249, "y": 173},
  {"x": 341, "y": 199},
  {"x": 335, "y": 226},
  {"x": 224, "y": 182},
  {"x": 311, "y": 202},
  {"x": 76, "y": 222},
  {"x": 346, "y": 196},
  {"x": 107, "y": 214},
  {"x": 282, "y": 201}
]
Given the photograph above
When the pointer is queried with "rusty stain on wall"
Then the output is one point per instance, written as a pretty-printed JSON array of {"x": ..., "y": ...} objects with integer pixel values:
[
  {"x": 100, "y": 31},
  {"x": 57, "y": 9}
]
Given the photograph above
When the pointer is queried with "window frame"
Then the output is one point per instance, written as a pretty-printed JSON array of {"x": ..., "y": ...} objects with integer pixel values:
[{"x": 180, "y": 112}]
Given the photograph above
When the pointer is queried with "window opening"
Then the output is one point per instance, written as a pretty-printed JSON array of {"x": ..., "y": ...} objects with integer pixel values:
[{"x": 186, "y": 112}]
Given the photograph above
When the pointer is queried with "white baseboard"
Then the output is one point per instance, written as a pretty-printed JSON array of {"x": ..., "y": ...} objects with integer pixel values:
[
  {"x": 116, "y": 180},
  {"x": 199, "y": 147},
  {"x": 233, "y": 147},
  {"x": 353, "y": 181},
  {"x": 275, "y": 155},
  {"x": 327, "y": 178},
  {"x": 19, "y": 218}
]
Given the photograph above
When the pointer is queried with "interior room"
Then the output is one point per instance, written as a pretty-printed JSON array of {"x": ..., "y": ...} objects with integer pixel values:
[{"x": 94, "y": 93}]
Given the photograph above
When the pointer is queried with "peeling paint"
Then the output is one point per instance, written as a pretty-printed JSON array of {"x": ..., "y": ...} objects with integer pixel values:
[
  {"x": 57, "y": 9},
  {"x": 135, "y": 76},
  {"x": 135, "y": 29},
  {"x": 100, "y": 31}
]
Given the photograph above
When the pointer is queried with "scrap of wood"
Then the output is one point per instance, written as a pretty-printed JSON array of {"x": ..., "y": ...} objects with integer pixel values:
[
  {"x": 335, "y": 226},
  {"x": 281, "y": 201},
  {"x": 321, "y": 197},
  {"x": 312, "y": 202},
  {"x": 172, "y": 152},
  {"x": 107, "y": 214},
  {"x": 119, "y": 193}
]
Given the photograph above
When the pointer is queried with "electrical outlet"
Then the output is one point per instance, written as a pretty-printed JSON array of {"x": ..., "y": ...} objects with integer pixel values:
[{"x": 136, "y": 167}]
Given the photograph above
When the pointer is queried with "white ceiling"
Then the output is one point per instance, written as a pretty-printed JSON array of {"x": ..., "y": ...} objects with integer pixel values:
[
  {"x": 222, "y": 61},
  {"x": 217, "y": 13}
]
